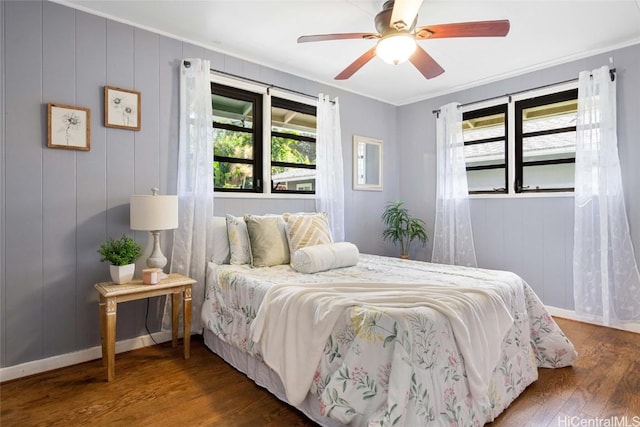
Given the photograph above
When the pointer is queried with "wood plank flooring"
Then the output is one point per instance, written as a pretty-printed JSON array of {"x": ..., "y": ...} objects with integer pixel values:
[{"x": 154, "y": 386}]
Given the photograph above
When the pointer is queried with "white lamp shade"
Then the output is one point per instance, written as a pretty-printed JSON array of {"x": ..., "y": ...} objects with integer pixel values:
[
  {"x": 396, "y": 48},
  {"x": 154, "y": 212}
]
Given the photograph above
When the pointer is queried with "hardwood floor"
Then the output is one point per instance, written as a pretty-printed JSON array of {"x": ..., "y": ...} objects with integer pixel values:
[
  {"x": 155, "y": 386},
  {"x": 604, "y": 383}
]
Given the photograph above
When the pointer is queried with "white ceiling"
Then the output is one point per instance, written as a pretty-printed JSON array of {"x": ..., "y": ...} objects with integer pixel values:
[{"x": 543, "y": 33}]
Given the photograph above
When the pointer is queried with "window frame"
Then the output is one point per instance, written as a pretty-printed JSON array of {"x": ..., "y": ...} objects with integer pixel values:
[
  {"x": 256, "y": 131},
  {"x": 510, "y": 101},
  {"x": 488, "y": 111},
  {"x": 267, "y": 93},
  {"x": 520, "y": 135},
  {"x": 277, "y": 101}
]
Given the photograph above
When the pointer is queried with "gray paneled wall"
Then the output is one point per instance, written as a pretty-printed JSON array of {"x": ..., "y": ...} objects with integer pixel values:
[
  {"x": 59, "y": 205},
  {"x": 530, "y": 236},
  {"x": 2, "y": 198},
  {"x": 23, "y": 171},
  {"x": 2, "y": 193},
  {"x": 58, "y": 187}
]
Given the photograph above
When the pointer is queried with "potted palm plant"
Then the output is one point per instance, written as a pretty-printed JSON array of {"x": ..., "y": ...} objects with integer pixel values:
[
  {"x": 122, "y": 254},
  {"x": 402, "y": 228}
]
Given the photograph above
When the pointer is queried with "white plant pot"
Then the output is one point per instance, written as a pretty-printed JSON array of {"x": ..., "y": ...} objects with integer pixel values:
[{"x": 122, "y": 273}]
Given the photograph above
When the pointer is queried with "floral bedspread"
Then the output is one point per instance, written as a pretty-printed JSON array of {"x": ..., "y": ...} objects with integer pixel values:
[{"x": 398, "y": 367}]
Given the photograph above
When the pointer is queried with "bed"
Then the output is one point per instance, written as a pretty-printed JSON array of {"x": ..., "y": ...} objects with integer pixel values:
[{"x": 398, "y": 363}]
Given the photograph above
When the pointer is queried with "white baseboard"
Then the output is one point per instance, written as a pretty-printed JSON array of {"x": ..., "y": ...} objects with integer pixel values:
[
  {"x": 55, "y": 362},
  {"x": 572, "y": 315}
]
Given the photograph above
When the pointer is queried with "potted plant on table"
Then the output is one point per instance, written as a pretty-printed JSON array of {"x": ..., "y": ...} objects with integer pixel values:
[
  {"x": 402, "y": 228},
  {"x": 122, "y": 254}
]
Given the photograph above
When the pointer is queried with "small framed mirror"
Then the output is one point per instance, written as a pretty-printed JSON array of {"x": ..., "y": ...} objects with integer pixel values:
[{"x": 367, "y": 163}]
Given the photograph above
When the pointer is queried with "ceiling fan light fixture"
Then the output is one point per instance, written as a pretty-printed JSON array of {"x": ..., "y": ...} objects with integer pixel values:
[{"x": 396, "y": 48}]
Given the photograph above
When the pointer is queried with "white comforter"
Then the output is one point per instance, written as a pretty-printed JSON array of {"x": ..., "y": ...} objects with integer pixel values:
[
  {"x": 383, "y": 366},
  {"x": 478, "y": 316}
]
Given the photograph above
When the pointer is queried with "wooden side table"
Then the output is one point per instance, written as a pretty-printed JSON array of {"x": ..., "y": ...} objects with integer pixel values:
[{"x": 111, "y": 294}]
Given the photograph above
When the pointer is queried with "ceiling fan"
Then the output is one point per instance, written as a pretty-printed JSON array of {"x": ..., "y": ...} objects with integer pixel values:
[{"x": 397, "y": 35}]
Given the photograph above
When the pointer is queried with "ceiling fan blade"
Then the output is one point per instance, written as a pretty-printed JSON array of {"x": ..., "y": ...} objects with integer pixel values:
[
  {"x": 464, "y": 29},
  {"x": 340, "y": 36},
  {"x": 425, "y": 63},
  {"x": 357, "y": 64},
  {"x": 405, "y": 11}
]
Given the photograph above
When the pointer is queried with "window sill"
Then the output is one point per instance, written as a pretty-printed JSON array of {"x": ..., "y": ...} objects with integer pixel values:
[
  {"x": 522, "y": 195},
  {"x": 230, "y": 195}
]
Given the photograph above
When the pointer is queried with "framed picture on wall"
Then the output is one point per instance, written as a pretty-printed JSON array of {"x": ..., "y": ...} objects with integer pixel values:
[
  {"x": 121, "y": 108},
  {"x": 68, "y": 127}
]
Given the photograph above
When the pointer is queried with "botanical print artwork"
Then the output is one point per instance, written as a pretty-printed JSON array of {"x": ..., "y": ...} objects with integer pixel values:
[
  {"x": 68, "y": 127},
  {"x": 122, "y": 108},
  {"x": 122, "y": 105}
]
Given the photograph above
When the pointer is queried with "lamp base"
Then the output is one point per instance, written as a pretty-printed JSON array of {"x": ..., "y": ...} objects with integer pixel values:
[{"x": 157, "y": 258}]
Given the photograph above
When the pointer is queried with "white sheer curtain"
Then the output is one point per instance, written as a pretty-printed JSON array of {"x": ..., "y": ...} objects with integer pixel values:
[
  {"x": 191, "y": 240},
  {"x": 329, "y": 169},
  {"x": 605, "y": 275},
  {"x": 453, "y": 236}
]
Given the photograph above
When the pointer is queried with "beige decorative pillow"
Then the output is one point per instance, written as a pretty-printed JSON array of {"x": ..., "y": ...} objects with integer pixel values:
[
  {"x": 238, "y": 240},
  {"x": 268, "y": 240},
  {"x": 307, "y": 229}
]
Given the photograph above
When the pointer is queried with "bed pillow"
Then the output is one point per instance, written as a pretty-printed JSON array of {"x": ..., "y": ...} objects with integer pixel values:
[
  {"x": 220, "y": 240},
  {"x": 313, "y": 259},
  {"x": 307, "y": 229},
  {"x": 268, "y": 240},
  {"x": 238, "y": 240}
]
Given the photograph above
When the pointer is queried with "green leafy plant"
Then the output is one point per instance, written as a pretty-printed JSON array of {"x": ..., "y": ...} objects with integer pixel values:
[
  {"x": 120, "y": 252},
  {"x": 402, "y": 228}
]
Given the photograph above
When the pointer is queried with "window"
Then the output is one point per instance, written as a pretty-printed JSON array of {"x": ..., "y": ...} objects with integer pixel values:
[
  {"x": 485, "y": 149},
  {"x": 546, "y": 142},
  {"x": 525, "y": 144},
  {"x": 246, "y": 155},
  {"x": 237, "y": 134},
  {"x": 293, "y": 147}
]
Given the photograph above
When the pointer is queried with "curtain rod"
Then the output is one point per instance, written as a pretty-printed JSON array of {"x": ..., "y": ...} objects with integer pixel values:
[
  {"x": 612, "y": 74},
  {"x": 268, "y": 85}
]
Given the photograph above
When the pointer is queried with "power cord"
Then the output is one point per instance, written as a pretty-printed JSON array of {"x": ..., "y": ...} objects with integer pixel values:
[{"x": 146, "y": 323}]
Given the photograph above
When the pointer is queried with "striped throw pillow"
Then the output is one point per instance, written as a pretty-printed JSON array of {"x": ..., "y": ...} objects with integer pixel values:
[{"x": 307, "y": 229}]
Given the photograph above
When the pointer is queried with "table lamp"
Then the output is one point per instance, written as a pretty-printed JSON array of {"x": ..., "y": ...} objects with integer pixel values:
[{"x": 154, "y": 213}]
